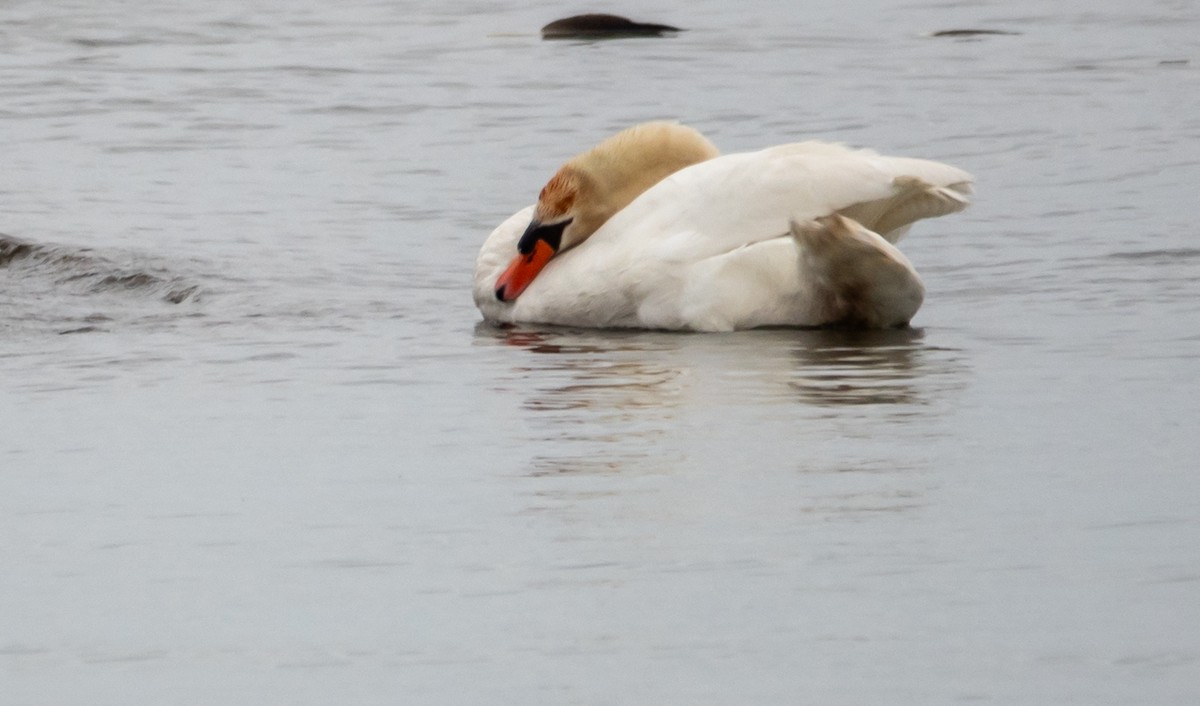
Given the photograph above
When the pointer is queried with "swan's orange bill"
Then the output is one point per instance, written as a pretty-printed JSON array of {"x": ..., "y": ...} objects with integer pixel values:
[{"x": 522, "y": 271}]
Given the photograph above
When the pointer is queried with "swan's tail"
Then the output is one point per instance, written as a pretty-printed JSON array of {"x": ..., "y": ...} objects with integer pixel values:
[{"x": 854, "y": 277}]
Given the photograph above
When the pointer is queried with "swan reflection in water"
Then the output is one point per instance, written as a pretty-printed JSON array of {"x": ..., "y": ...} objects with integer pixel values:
[
  {"x": 603, "y": 399},
  {"x": 620, "y": 369},
  {"x": 890, "y": 367},
  {"x": 607, "y": 399}
]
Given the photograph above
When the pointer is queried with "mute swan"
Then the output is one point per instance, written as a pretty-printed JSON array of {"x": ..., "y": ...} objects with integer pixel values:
[{"x": 652, "y": 229}]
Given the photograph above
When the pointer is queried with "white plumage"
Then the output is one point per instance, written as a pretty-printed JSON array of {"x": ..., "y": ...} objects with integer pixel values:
[{"x": 794, "y": 235}]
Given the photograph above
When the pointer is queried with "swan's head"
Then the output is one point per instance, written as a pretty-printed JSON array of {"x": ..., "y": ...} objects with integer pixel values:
[
  {"x": 560, "y": 222},
  {"x": 593, "y": 186}
]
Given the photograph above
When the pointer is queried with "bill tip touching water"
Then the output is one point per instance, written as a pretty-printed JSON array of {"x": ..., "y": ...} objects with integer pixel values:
[{"x": 653, "y": 228}]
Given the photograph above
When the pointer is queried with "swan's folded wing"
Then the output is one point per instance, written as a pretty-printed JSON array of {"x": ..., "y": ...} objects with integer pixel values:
[{"x": 739, "y": 199}]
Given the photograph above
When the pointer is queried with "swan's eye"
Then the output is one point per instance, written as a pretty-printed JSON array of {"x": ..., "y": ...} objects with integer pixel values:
[{"x": 551, "y": 234}]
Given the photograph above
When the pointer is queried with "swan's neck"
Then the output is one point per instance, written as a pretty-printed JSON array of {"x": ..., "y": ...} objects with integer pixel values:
[{"x": 610, "y": 176}]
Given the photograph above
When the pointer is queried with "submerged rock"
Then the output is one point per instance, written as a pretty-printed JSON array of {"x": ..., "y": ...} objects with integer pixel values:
[{"x": 601, "y": 26}]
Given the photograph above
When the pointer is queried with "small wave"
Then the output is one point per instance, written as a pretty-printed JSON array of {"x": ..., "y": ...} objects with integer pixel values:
[
  {"x": 82, "y": 269},
  {"x": 1168, "y": 254},
  {"x": 97, "y": 43}
]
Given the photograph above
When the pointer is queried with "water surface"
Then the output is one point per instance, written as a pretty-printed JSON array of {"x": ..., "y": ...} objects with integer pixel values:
[{"x": 257, "y": 447}]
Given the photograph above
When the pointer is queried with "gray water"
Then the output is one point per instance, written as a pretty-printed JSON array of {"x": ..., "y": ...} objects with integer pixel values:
[{"x": 257, "y": 448}]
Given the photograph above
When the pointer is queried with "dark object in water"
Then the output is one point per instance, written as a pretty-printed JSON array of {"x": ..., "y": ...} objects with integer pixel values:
[
  {"x": 86, "y": 271},
  {"x": 12, "y": 249},
  {"x": 600, "y": 26},
  {"x": 970, "y": 32}
]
